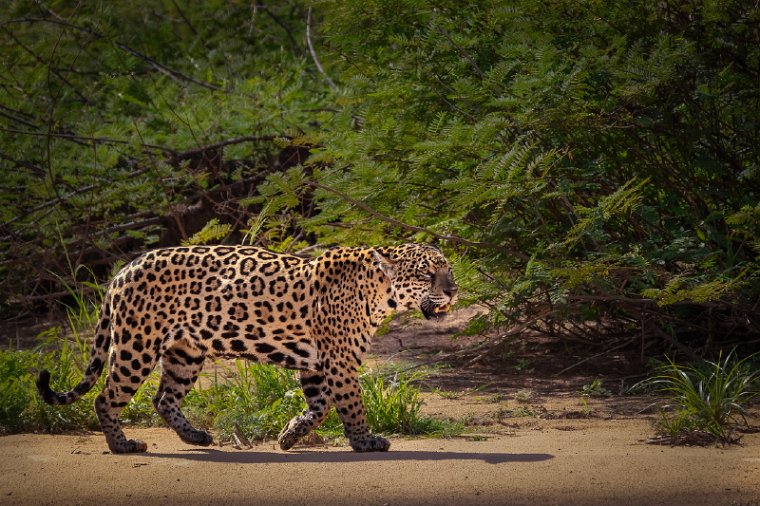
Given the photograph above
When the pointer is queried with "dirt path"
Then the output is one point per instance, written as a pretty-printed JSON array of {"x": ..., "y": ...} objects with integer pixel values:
[{"x": 594, "y": 462}]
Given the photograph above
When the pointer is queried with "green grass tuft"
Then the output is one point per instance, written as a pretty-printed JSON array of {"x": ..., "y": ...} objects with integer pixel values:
[
  {"x": 709, "y": 400},
  {"x": 393, "y": 405}
]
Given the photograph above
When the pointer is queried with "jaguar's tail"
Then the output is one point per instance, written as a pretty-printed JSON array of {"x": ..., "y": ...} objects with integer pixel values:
[{"x": 98, "y": 357}]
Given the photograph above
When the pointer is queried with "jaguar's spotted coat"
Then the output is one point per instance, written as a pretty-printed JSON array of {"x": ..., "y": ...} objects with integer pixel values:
[{"x": 178, "y": 306}]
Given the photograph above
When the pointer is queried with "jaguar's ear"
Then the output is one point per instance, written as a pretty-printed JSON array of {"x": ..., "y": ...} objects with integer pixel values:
[{"x": 385, "y": 265}]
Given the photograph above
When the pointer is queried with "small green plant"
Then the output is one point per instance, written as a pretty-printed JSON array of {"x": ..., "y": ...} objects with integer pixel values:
[
  {"x": 530, "y": 412},
  {"x": 524, "y": 365},
  {"x": 212, "y": 232},
  {"x": 450, "y": 394},
  {"x": 458, "y": 394},
  {"x": 595, "y": 389},
  {"x": 709, "y": 400},
  {"x": 523, "y": 396},
  {"x": 21, "y": 408},
  {"x": 586, "y": 410},
  {"x": 254, "y": 399}
]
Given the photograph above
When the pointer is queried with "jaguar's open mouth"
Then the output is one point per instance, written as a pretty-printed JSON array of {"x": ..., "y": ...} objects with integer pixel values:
[
  {"x": 436, "y": 312},
  {"x": 442, "y": 310}
]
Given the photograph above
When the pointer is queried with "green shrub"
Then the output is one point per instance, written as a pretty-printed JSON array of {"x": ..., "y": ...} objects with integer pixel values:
[
  {"x": 21, "y": 409},
  {"x": 708, "y": 400}
]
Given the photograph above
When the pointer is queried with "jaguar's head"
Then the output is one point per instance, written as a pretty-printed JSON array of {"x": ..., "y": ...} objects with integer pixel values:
[{"x": 421, "y": 278}]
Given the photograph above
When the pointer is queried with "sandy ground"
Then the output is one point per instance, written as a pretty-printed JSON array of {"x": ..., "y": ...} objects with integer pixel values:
[
  {"x": 588, "y": 462},
  {"x": 563, "y": 449}
]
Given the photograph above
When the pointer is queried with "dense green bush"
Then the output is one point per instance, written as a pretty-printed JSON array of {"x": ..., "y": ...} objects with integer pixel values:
[
  {"x": 589, "y": 160},
  {"x": 128, "y": 125}
]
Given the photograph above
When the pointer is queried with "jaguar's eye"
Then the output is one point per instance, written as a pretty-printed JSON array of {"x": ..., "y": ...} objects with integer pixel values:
[{"x": 428, "y": 277}]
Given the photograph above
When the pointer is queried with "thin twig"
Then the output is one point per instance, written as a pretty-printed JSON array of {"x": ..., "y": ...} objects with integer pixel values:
[
  {"x": 174, "y": 74},
  {"x": 49, "y": 66},
  {"x": 63, "y": 198},
  {"x": 184, "y": 18},
  {"x": 672, "y": 340},
  {"x": 228, "y": 142},
  {"x": 36, "y": 169},
  {"x": 18, "y": 120},
  {"x": 314, "y": 53},
  {"x": 592, "y": 357},
  {"x": 85, "y": 138},
  {"x": 463, "y": 52},
  {"x": 276, "y": 19}
]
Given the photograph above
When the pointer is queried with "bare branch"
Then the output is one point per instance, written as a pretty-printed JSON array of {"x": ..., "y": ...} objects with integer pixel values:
[
  {"x": 62, "y": 198},
  {"x": 314, "y": 53},
  {"x": 286, "y": 28},
  {"x": 228, "y": 142},
  {"x": 17, "y": 119},
  {"x": 464, "y": 53},
  {"x": 184, "y": 18},
  {"x": 84, "y": 138},
  {"x": 36, "y": 169}
]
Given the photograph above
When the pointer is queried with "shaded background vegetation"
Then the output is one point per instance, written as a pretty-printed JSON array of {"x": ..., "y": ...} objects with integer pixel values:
[{"x": 592, "y": 168}]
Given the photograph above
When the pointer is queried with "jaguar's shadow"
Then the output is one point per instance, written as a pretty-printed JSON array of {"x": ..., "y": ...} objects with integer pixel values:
[{"x": 315, "y": 456}]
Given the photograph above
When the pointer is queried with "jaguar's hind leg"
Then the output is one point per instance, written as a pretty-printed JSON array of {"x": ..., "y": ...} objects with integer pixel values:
[
  {"x": 180, "y": 368},
  {"x": 317, "y": 399},
  {"x": 126, "y": 374}
]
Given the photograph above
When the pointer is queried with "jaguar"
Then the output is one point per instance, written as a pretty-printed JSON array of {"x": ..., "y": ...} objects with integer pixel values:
[{"x": 177, "y": 306}]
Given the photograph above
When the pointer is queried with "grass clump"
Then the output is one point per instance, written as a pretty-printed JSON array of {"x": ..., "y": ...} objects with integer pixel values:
[
  {"x": 22, "y": 409},
  {"x": 709, "y": 400},
  {"x": 253, "y": 399},
  {"x": 393, "y": 405},
  {"x": 258, "y": 400}
]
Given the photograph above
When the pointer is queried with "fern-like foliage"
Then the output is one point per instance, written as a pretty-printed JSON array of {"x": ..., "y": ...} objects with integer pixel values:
[{"x": 212, "y": 232}]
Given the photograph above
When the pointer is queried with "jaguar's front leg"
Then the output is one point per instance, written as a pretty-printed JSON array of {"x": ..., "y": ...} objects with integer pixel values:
[
  {"x": 346, "y": 396},
  {"x": 315, "y": 392}
]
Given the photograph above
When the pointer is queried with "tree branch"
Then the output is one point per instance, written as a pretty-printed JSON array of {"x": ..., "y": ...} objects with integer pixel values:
[
  {"x": 85, "y": 138},
  {"x": 228, "y": 142},
  {"x": 62, "y": 198},
  {"x": 296, "y": 50},
  {"x": 52, "y": 69},
  {"x": 36, "y": 169},
  {"x": 184, "y": 18}
]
